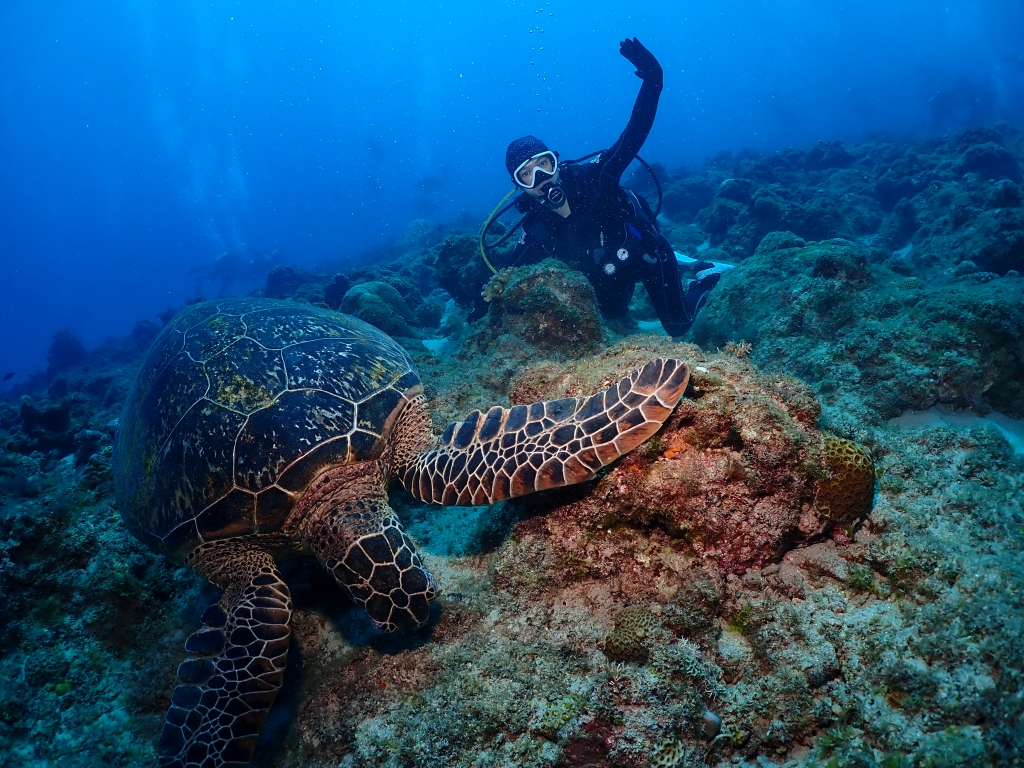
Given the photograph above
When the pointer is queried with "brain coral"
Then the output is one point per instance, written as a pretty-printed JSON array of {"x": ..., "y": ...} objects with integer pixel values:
[
  {"x": 560, "y": 712},
  {"x": 631, "y": 637},
  {"x": 669, "y": 754},
  {"x": 846, "y": 495}
]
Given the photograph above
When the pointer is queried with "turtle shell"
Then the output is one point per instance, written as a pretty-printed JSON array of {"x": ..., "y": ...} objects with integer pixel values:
[{"x": 239, "y": 405}]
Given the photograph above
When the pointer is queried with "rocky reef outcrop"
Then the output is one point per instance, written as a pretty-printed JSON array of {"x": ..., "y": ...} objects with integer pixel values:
[
  {"x": 779, "y": 577},
  {"x": 740, "y": 471},
  {"x": 822, "y": 312},
  {"x": 546, "y": 306},
  {"x": 951, "y": 198}
]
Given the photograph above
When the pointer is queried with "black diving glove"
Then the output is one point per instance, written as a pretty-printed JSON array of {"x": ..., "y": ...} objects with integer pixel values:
[{"x": 647, "y": 67}]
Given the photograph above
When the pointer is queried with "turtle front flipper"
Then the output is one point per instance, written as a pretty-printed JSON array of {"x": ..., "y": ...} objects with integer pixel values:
[
  {"x": 364, "y": 547},
  {"x": 236, "y": 663},
  {"x": 512, "y": 452}
]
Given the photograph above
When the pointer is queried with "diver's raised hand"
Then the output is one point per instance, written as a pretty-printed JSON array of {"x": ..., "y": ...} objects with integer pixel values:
[{"x": 647, "y": 67}]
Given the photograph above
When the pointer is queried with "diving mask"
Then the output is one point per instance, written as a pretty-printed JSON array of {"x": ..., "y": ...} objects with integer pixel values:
[{"x": 536, "y": 170}]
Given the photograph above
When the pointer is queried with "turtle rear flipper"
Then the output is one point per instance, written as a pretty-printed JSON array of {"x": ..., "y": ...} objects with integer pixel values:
[
  {"x": 511, "y": 452},
  {"x": 237, "y": 661}
]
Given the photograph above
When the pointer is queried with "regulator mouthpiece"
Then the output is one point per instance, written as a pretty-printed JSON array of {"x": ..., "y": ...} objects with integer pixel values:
[{"x": 555, "y": 196}]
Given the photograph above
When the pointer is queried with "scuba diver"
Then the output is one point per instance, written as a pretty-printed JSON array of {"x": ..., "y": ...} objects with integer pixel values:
[{"x": 579, "y": 213}]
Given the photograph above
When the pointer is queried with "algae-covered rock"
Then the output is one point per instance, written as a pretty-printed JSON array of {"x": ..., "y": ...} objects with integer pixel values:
[
  {"x": 736, "y": 472},
  {"x": 380, "y": 305},
  {"x": 821, "y": 312},
  {"x": 65, "y": 351},
  {"x": 548, "y": 306},
  {"x": 336, "y": 289},
  {"x": 991, "y": 160},
  {"x": 996, "y": 243},
  {"x": 460, "y": 269},
  {"x": 291, "y": 282}
]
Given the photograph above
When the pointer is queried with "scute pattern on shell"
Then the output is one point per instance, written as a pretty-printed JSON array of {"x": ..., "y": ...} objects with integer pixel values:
[
  {"x": 846, "y": 495},
  {"x": 239, "y": 405}
]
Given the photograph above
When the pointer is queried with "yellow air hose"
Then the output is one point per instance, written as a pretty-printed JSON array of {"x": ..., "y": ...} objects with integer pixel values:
[{"x": 483, "y": 251}]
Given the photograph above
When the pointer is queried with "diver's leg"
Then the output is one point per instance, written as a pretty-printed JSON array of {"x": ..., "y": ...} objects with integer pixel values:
[
  {"x": 677, "y": 307},
  {"x": 236, "y": 663},
  {"x": 614, "y": 292}
]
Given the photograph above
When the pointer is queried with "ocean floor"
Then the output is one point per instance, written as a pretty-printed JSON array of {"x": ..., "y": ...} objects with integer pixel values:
[
  {"x": 1012, "y": 430},
  {"x": 697, "y": 603}
]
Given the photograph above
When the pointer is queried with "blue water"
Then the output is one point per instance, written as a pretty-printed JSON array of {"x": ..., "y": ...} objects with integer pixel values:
[{"x": 141, "y": 140}]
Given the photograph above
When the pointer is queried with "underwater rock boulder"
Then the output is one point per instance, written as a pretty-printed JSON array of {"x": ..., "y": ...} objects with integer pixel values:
[
  {"x": 827, "y": 154},
  {"x": 788, "y": 283},
  {"x": 45, "y": 426},
  {"x": 406, "y": 289},
  {"x": 683, "y": 199},
  {"x": 143, "y": 333},
  {"x": 336, "y": 289},
  {"x": 905, "y": 177},
  {"x": 738, "y": 220},
  {"x": 290, "y": 282},
  {"x": 737, "y": 190},
  {"x": 550, "y": 307},
  {"x": 740, "y": 472},
  {"x": 66, "y": 351},
  {"x": 856, "y": 330},
  {"x": 460, "y": 269},
  {"x": 722, "y": 215},
  {"x": 995, "y": 242},
  {"x": 990, "y": 160},
  {"x": 380, "y": 305},
  {"x": 418, "y": 234},
  {"x": 842, "y": 261}
]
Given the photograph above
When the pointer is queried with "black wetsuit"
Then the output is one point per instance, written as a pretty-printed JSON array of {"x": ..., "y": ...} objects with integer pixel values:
[{"x": 610, "y": 234}]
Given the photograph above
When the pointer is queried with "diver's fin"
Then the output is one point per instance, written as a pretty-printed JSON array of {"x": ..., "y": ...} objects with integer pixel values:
[
  {"x": 682, "y": 258},
  {"x": 512, "y": 452},
  {"x": 701, "y": 266},
  {"x": 237, "y": 661}
]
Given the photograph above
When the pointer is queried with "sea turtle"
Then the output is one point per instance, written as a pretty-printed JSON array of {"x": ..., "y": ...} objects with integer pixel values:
[{"x": 258, "y": 428}]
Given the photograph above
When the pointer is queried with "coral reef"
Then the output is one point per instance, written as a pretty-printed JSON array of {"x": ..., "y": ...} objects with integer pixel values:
[
  {"x": 946, "y": 196},
  {"x": 783, "y": 623},
  {"x": 734, "y": 472},
  {"x": 896, "y": 341}
]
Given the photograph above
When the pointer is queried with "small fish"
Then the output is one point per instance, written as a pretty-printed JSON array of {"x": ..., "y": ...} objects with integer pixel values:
[{"x": 9, "y": 376}]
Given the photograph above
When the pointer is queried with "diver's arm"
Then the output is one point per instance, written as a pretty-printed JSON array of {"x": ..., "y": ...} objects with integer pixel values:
[
  {"x": 617, "y": 157},
  {"x": 528, "y": 252},
  {"x": 533, "y": 245}
]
